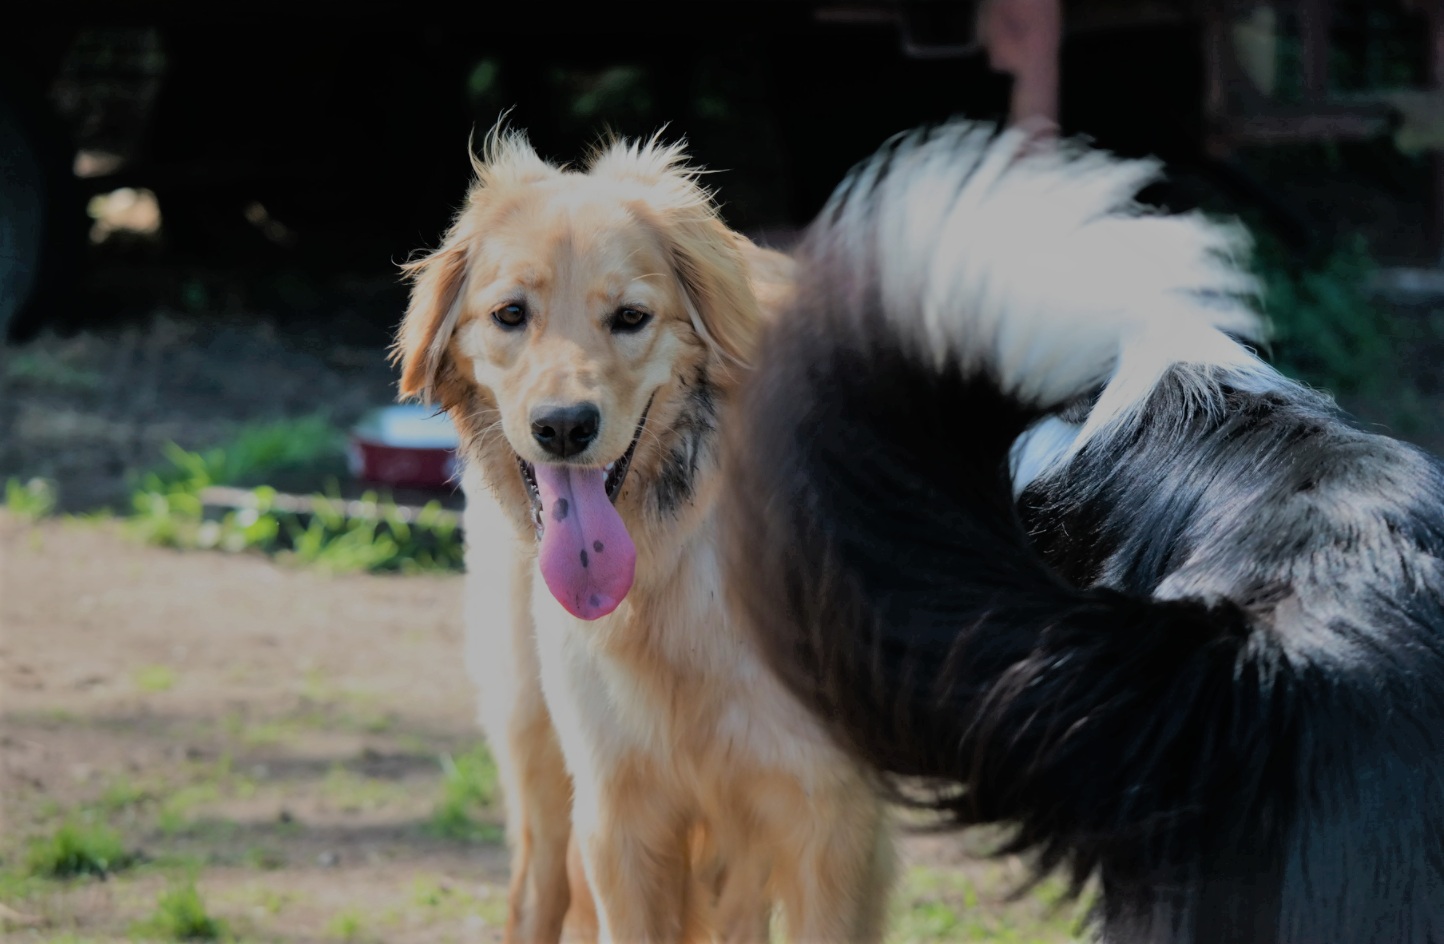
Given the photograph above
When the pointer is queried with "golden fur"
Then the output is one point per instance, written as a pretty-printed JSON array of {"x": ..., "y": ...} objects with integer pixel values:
[{"x": 647, "y": 755}]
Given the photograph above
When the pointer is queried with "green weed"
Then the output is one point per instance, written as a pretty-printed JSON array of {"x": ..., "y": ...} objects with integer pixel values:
[
  {"x": 346, "y": 926},
  {"x": 375, "y": 537},
  {"x": 180, "y": 915},
  {"x": 122, "y": 795},
  {"x": 350, "y": 791},
  {"x": 154, "y": 679},
  {"x": 937, "y": 905},
  {"x": 468, "y": 785},
  {"x": 369, "y": 536},
  {"x": 177, "y": 811},
  {"x": 256, "y": 453},
  {"x": 17, "y": 885},
  {"x": 265, "y": 859},
  {"x": 30, "y": 500},
  {"x": 76, "y": 849},
  {"x": 439, "y": 899}
]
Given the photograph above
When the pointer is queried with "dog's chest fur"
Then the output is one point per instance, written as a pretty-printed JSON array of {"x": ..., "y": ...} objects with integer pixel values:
[{"x": 668, "y": 678}]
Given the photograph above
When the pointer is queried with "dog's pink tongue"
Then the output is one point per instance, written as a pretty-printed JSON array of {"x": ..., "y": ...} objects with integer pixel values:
[{"x": 587, "y": 558}]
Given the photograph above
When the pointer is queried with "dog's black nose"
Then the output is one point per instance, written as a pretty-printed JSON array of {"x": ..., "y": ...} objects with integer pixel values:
[{"x": 566, "y": 430}]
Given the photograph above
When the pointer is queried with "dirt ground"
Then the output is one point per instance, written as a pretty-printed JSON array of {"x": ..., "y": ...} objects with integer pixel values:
[
  {"x": 301, "y": 719},
  {"x": 279, "y": 734},
  {"x": 276, "y": 734}
]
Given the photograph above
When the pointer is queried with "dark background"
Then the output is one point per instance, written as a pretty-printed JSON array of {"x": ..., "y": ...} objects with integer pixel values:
[
  {"x": 291, "y": 155},
  {"x": 347, "y": 124}
]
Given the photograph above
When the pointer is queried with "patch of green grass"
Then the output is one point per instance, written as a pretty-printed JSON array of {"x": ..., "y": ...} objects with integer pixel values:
[
  {"x": 166, "y": 503},
  {"x": 316, "y": 685},
  {"x": 375, "y": 537},
  {"x": 346, "y": 926},
  {"x": 89, "y": 518},
  {"x": 439, "y": 899},
  {"x": 58, "y": 716},
  {"x": 29, "y": 500},
  {"x": 492, "y": 909},
  {"x": 177, "y": 810},
  {"x": 172, "y": 861},
  {"x": 975, "y": 903},
  {"x": 271, "y": 901},
  {"x": 333, "y": 543},
  {"x": 350, "y": 791},
  {"x": 269, "y": 733},
  {"x": 48, "y": 809},
  {"x": 263, "y": 858},
  {"x": 468, "y": 786},
  {"x": 17, "y": 885},
  {"x": 287, "y": 826},
  {"x": 378, "y": 723},
  {"x": 154, "y": 679},
  {"x": 357, "y": 713},
  {"x": 181, "y": 915},
  {"x": 369, "y": 535},
  {"x": 122, "y": 794},
  {"x": 255, "y": 453},
  {"x": 343, "y": 708},
  {"x": 202, "y": 783},
  {"x": 77, "y": 848},
  {"x": 928, "y": 921}
]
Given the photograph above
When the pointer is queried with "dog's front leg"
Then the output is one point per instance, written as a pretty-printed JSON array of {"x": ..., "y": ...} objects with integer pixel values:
[
  {"x": 502, "y": 660},
  {"x": 743, "y": 913},
  {"x": 636, "y": 848},
  {"x": 536, "y": 791},
  {"x": 835, "y": 863}
]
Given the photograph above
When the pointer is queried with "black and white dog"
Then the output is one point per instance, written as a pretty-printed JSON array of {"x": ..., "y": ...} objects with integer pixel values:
[{"x": 1014, "y": 509}]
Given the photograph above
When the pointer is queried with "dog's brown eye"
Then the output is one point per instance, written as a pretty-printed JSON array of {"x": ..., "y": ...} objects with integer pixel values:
[
  {"x": 629, "y": 319},
  {"x": 510, "y": 316}
]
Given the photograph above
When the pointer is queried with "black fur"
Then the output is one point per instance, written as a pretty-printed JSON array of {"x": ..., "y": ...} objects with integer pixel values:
[
  {"x": 694, "y": 435},
  {"x": 1203, "y": 661}
]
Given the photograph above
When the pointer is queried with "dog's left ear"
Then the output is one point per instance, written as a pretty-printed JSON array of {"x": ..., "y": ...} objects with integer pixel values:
[
  {"x": 709, "y": 259},
  {"x": 438, "y": 279}
]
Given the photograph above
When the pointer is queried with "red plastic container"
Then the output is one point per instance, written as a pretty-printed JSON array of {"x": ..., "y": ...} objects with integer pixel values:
[{"x": 405, "y": 446}]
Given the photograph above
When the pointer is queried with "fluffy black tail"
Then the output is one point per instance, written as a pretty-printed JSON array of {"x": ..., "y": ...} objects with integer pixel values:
[
  {"x": 879, "y": 557},
  {"x": 958, "y": 287}
]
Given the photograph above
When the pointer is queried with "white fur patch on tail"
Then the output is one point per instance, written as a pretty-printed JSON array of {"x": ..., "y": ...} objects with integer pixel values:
[{"x": 1034, "y": 262}]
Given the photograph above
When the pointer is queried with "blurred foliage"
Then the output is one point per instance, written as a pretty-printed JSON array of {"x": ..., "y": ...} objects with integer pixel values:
[
  {"x": 181, "y": 915},
  {"x": 368, "y": 535},
  {"x": 1326, "y": 329},
  {"x": 468, "y": 787},
  {"x": 77, "y": 848},
  {"x": 1375, "y": 45},
  {"x": 29, "y": 500}
]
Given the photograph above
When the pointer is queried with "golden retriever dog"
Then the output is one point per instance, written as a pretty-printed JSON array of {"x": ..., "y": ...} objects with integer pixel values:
[{"x": 588, "y": 331}]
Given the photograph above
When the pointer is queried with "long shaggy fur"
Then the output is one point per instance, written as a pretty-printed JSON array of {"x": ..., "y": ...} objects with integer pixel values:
[
  {"x": 659, "y": 784},
  {"x": 1015, "y": 513}
]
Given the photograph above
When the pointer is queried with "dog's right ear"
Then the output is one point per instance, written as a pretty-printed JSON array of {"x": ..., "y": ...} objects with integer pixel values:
[{"x": 438, "y": 279}]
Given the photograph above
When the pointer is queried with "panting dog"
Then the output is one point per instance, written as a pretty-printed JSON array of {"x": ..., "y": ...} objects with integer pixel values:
[
  {"x": 1014, "y": 509},
  {"x": 588, "y": 330}
]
